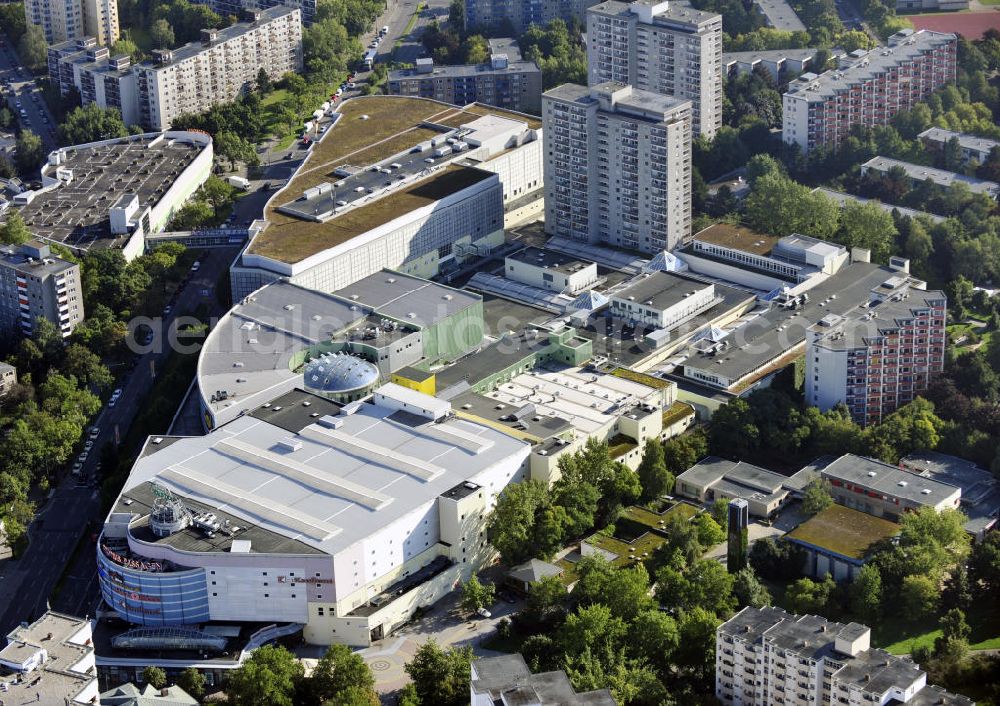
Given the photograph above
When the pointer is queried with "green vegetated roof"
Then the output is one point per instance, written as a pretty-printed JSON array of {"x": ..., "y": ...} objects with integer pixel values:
[{"x": 844, "y": 531}]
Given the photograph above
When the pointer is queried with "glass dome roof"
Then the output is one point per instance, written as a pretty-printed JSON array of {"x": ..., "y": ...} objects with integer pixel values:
[{"x": 339, "y": 372}]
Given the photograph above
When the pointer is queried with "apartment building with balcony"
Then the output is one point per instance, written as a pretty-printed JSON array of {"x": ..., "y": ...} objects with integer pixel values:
[
  {"x": 34, "y": 284},
  {"x": 617, "y": 166},
  {"x": 109, "y": 81},
  {"x": 868, "y": 89},
  {"x": 189, "y": 79},
  {"x": 767, "y": 657},
  {"x": 220, "y": 67},
  {"x": 514, "y": 85},
  {"x": 515, "y": 16},
  {"x": 973, "y": 147},
  {"x": 59, "y": 19},
  {"x": 879, "y": 355},
  {"x": 660, "y": 47}
]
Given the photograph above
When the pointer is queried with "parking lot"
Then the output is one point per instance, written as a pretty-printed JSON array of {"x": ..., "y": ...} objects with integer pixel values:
[{"x": 23, "y": 96}]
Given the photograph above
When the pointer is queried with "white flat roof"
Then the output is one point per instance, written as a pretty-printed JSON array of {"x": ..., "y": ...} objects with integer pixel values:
[
  {"x": 331, "y": 486},
  {"x": 586, "y": 400}
]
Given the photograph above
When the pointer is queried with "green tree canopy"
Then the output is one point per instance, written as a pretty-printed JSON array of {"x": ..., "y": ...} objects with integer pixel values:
[
  {"x": 268, "y": 676},
  {"x": 155, "y": 677},
  {"x": 441, "y": 676},
  {"x": 91, "y": 123},
  {"x": 816, "y": 497},
  {"x": 338, "y": 672},
  {"x": 14, "y": 231},
  {"x": 476, "y": 595}
]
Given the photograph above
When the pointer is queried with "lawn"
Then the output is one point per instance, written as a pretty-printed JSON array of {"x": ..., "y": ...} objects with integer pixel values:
[
  {"x": 900, "y": 636},
  {"x": 641, "y": 378}
]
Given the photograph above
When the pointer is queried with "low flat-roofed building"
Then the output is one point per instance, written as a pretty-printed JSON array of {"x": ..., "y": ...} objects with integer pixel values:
[
  {"x": 980, "y": 488},
  {"x": 779, "y": 63},
  {"x": 8, "y": 378},
  {"x": 337, "y": 519},
  {"x": 741, "y": 255},
  {"x": 808, "y": 659},
  {"x": 779, "y": 15},
  {"x": 391, "y": 320},
  {"x": 838, "y": 540},
  {"x": 406, "y": 183},
  {"x": 549, "y": 269},
  {"x": 973, "y": 146},
  {"x": 842, "y": 198},
  {"x": 883, "y": 490},
  {"x": 55, "y": 656},
  {"x": 507, "y": 680},
  {"x": 81, "y": 185},
  {"x": 662, "y": 300},
  {"x": 715, "y": 478},
  {"x": 503, "y": 81},
  {"x": 918, "y": 173}
]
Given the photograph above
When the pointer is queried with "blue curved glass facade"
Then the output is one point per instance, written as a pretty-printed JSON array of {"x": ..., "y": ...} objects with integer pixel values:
[{"x": 153, "y": 598}]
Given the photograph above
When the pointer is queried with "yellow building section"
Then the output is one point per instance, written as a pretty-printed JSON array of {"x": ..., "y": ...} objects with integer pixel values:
[{"x": 414, "y": 379}]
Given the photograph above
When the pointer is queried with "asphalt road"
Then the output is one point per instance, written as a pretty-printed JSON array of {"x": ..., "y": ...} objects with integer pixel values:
[
  {"x": 21, "y": 89},
  {"x": 26, "y": 584}
]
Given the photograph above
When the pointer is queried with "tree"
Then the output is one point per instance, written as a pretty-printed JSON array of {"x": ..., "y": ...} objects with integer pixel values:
[
  {"x": 918, "y": 596},
  {"x": 654, "y": 636},
  {"x": 984, "y": 565},
  {"x": 441, "y": 677},
  {"x": 161, "y": 34},
  {"x": 264, "y": 84},
  {"x": 866, "y": 593},
  {"x": 269, "y": 676},
  {"x": 476, "y": 596},
  {"x": 866, "y": 225},
  {"x": 933, "y": 542},
  {"x": 816, "y": 497},
  {"x": 340, "y": 670},
  {"x": 155, "y": 677},
  {"x": 780, "y": 206},
  {"x": 477, "y": 49},
  {"x": 217, "y": 192},
  {"x": 235, "y": 149},
  {"x": 625, "y": 592},
  {"x": 125, "y": 47},
  {"x": 408, "y": 696},
  {"x": 192, "y": 681},
  {"x": 14, "y": 231},
  {"x": 749, "y": 590},
  {"x": 682, "y": 452},
  {"x": 808, "y": 596},
  {"x": 511, "y": 527},
  {"x": 546, "y": 601},
  {"x": 706, "y": 584},
  {"x": 709, "y": 532},
  {"x": 656, "y": 480},
  {"x": 28, "y": 152},
  {"x": 32, "y": 48},
  {"x": 86, "y": 367},
  {"x": 734, "y": 430}
]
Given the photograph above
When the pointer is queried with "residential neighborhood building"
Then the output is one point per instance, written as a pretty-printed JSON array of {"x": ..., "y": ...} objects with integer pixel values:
[
  {"x": 972, "y": 147},
  {"x": 54, "y": 660},
  {"x": 506, "y": 681},
  {"x": 617, "y": 166},
  {"x": 503, "y": 82},
  {"x": 61, "y": 20},
  {"x": 844, "y": 198},
  {"x": 878, "y": 355},
  {"x": 765, "y": 656},
  {"x": 919, "y": 173},
  {"x": 662, "y": 300},
  {"x": 189, "y": 79},
  {"x": 661, "y": 47},
  {"x": 34, "y": 284},
  {"x": 780, "y": 64},
  {"x": 932, "y": 5},
  {"x": 8, "y": 378},
  {"x": 779, "y": 15},
  {"x": 820, "y": 110},
  {"x": 491, "y": 16}
]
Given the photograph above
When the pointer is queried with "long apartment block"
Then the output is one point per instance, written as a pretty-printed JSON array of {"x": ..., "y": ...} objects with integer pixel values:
[
  {"x": 514, "y": 85},
  {"x": 189, "y": 79},
  {"x": 767, "y": 657},
  {"x": 63, "y": 20},
  {"x": 879, "y": 355},
  {"x": 670, "y": 49},
  {"x": 33, "y": 285},
  {"x": 819, "y": 111},
  {"x": 517, "y": 15},
  {"x": 617, "y": 166}
]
